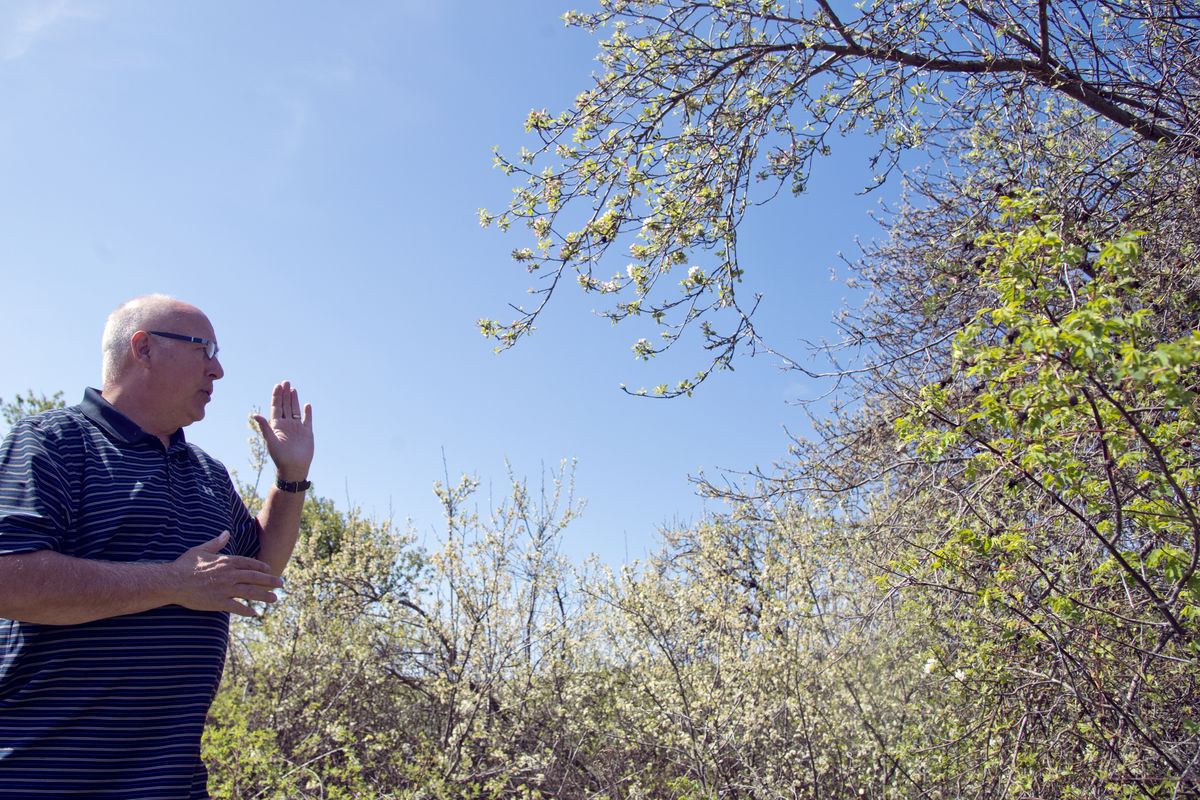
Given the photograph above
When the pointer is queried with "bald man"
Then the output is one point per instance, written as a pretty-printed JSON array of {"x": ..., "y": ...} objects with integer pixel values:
[{"x": 123, "y": 550}]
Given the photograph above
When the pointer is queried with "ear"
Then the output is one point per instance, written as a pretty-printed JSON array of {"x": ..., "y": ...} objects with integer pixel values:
[{"x": 139, "y": 348}]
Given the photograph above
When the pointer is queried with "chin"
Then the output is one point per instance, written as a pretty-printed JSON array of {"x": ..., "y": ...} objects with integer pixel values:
[{"x": 200, "y": 409}]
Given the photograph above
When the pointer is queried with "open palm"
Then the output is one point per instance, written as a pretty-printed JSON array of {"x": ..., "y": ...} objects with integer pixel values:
[{"x": 288, "y": 433}]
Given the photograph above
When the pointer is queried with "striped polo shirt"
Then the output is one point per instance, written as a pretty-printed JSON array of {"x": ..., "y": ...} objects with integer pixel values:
[{"x": 110, "y": 709}]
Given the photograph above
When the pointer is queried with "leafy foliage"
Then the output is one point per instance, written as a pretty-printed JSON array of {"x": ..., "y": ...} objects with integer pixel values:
[
  {"x": 308, "y": 705},
  {"x": 29, "y": 404},
  {"x": 698, "y": 103},
  {"x": 1066, "y": 559}
]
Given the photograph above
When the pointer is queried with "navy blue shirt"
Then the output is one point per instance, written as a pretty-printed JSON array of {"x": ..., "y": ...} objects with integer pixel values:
[{"x": 113, "y": 708}]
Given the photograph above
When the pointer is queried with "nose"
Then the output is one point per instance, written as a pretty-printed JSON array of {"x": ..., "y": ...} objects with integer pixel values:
[{"x": 215, "y": 370}]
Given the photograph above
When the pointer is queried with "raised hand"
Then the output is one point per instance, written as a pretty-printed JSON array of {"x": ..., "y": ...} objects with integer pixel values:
[
  {"x": 207, "y": 580},
  {"x": 288, "y": 433}
]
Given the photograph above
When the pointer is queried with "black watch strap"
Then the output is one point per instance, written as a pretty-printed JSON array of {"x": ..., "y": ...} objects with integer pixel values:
[{"x": 292, "y": 486}]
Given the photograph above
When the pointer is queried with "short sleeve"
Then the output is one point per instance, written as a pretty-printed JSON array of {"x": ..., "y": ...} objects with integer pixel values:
[
  {"x": 245, "y": 533},
  {"x": 35, "y": 491}
]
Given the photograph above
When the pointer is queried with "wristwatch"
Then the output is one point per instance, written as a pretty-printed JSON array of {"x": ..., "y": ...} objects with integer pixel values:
[{"x": 292, "y": 486}]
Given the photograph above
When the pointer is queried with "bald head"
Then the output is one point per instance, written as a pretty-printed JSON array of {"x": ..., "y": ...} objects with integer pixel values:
[{"x": 147, "y": 313}]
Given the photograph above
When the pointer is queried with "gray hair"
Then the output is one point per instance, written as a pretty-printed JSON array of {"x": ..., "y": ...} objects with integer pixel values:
[{"x": 129, "y": 318}]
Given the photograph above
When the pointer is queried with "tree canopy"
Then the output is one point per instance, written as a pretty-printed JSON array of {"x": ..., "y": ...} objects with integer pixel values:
[{"x": 703, "y": 109}]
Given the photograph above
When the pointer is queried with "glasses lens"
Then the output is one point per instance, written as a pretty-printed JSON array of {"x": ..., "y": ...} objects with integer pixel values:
[{"x": 210, "y": 349}]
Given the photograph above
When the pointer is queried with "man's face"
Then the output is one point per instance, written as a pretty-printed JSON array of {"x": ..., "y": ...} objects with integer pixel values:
[{"x": 183, "y": 374}]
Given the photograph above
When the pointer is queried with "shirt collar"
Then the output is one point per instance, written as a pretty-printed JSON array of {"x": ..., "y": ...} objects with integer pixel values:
[{"x": 118, "y": 426}]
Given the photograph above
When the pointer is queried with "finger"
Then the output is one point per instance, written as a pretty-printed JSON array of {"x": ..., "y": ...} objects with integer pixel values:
[
  {"x": 308, "y": 415},
  {"x": 214, "y": 544},
  {"x": 258, "y": 578},
  {"x": 264, "y": 427},
  {"x": 254, "y": 593},
  {"x": 277, "y": 402},
  {"x": 247, "y": 564},
  {"x": 291, "y": 401},
  {"x": 234, "y": 607},
  {"x": 285, "y": 399}
]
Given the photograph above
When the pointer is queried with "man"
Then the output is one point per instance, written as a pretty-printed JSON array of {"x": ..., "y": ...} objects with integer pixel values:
[{"x": 123, "y": 549}]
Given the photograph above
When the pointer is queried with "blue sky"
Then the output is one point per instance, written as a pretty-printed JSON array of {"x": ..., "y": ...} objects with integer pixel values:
[{"x": 310, "y": 176}]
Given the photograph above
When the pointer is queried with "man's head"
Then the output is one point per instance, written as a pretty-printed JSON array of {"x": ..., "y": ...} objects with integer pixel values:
[{"x": 166, "y": 381}]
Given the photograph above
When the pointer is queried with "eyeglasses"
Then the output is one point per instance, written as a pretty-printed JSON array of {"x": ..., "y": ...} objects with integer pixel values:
[{"x": 210, "y": 347}]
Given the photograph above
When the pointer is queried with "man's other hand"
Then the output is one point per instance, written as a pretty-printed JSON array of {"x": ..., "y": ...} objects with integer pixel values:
[{"x": 207, "y": 580}]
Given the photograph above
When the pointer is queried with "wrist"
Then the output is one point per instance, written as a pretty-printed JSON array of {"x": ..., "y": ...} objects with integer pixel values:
[
  {"x": 163, "y": 582},
  {"x": 293, "y": 486},
  {"x": 291, "y": 473}
]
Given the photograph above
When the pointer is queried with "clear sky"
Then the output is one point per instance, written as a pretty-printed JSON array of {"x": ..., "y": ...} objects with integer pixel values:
[{"x": 310, "y": 174}]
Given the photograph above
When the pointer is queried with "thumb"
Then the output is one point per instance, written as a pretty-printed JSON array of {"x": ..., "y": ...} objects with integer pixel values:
[
  {"x": 264, "y": 427},
  {"x": 214, "y": 544}
]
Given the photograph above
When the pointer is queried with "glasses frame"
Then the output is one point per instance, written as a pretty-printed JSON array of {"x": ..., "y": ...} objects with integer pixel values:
[{"x": 210, "y": 347}]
